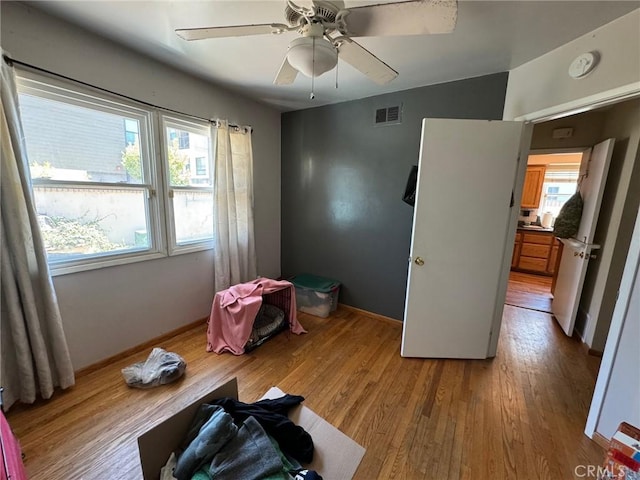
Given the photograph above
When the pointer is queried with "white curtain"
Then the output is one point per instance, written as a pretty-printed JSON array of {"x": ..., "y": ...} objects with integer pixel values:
[
  {"x": 34, "y": 358},
  {"x": 235, "y": 253}
]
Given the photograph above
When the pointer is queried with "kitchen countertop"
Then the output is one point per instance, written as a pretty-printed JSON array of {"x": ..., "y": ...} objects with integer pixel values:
[{"x": 534, "y": 228}]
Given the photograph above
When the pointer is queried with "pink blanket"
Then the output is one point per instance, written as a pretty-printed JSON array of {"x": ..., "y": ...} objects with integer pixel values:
[
  {"x": 234, "y": 310},
  {"x": 11, "y": 453}
]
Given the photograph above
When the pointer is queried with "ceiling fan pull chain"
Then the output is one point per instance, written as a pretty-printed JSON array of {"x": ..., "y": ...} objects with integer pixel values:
[
  {"x": 313, "y": 68},
  {"x": 337, "y": 74}
]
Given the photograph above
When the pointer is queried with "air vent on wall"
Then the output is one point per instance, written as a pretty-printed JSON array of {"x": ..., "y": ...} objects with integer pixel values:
[{"x": 388, "y": 116}]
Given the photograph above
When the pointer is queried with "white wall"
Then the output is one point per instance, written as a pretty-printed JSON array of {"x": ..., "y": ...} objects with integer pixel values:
[
  {"x": 109, "y": 310},
  {"x": 615, "y": 223},
  {"x": 544, "y": 82},
  {"x": 622, "y": 400},
  {"x": 617, "y": 392}
]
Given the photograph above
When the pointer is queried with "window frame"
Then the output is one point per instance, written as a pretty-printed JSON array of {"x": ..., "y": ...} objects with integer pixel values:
[
  {"x": 152, "y": 132},
  {"x": 184, "y": 123}
]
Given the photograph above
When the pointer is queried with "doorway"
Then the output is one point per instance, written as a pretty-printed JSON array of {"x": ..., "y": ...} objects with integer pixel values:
[
  {"x": 551, "y": 179},
  {"x": 620, "y": 201}
]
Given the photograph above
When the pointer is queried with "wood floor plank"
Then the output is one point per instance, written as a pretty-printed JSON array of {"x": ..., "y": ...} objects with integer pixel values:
[
  {"x": 531, "y": 291},
  {"x": 518, "y": 416}
]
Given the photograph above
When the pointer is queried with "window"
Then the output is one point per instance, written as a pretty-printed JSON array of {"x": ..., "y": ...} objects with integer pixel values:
[
  {"x": 190, "y": 188},
  {"x": 130, "y": 131},
  {"x": 183, "y": 142},
  {"x": 560, "y": 183},
  {"x": 97, "y": 193},
  {"x": 201, "y": 166}
]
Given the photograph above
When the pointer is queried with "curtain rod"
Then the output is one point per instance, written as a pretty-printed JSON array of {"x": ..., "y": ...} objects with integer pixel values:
[{"x": 11, "y": 61}]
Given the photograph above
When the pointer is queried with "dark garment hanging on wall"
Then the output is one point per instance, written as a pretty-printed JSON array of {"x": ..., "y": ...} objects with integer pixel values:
[{"x": 410, "y": 190}]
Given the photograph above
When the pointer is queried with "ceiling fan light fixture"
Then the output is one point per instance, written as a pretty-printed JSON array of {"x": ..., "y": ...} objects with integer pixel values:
[{"x": 301, "y": 56}]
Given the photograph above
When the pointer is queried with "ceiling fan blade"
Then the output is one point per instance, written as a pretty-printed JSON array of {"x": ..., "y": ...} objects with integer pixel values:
[
  {"x": 415, "y": 17},
  {"x": 362, "y": 59},
  {"x": 231, "y": 31},
  {"x": 286, "y": 75}
]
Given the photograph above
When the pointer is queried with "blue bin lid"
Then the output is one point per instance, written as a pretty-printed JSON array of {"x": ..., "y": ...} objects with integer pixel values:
[{"x": 314, "y": 282}]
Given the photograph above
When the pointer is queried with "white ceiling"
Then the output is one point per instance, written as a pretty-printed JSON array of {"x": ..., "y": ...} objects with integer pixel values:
[{"x": 489, "y": 37}]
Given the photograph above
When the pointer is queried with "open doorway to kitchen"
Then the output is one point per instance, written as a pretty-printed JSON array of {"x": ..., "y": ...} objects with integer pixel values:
[
  {"x": 621, "y": 197},
  {"x": 551, "y": 179}
]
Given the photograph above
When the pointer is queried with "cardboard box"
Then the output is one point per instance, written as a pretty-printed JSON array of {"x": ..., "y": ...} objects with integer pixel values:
[
  {"x": 156, "y": 445},
  {"x": 336, "y": 456},
  {"x": 623, "y": 457},
  {"x": 627, "y": 441}
]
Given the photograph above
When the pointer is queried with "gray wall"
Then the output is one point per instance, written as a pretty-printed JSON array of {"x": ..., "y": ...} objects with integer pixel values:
[{"x": 342, "y": 184}]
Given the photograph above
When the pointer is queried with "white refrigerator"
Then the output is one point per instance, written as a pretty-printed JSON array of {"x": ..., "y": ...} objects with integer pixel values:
[{"x": 579, "y": 250}]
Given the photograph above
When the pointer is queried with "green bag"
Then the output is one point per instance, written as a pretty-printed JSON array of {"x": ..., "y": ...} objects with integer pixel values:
[{"x": 568, "y": 220}]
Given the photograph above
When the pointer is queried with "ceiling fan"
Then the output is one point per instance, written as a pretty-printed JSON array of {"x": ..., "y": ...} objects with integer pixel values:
[{"x": 327, "y": 28}]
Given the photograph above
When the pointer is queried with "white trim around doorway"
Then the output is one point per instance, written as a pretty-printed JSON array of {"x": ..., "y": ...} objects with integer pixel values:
[
  {"x": 581, "y": 105},
  {"x": 585, "y": 104}
]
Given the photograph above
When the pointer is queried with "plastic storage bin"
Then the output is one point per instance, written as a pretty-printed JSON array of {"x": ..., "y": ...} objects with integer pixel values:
[{"x": 316, "y": 295}]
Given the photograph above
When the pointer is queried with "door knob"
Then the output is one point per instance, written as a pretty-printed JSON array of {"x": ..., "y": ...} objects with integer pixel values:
[{"x": 419, "y": 261}]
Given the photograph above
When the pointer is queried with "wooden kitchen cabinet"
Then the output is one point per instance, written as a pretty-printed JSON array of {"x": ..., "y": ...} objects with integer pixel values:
[
  {"x": 553, "y": 257},
  {"x": 535, "y": 252},
  {"x": 516, "y": 250},
  {"x": 532, "y": 189}
]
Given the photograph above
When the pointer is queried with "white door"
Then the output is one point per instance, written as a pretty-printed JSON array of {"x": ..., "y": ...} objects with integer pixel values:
[
  {"x": 461, "y": 233},
  {"x": 577, "y": 251},
  {"x": 593, "y": 179}
]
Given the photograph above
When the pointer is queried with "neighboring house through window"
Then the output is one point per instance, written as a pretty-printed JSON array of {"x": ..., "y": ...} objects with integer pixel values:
[
  {"x": 201, "y": 166},
  {"x": 100, "y": 199},
  {"x": 183, "y": 140},
  {"x": 191, "y": 196},
  {"x": 130, "y": 132}
]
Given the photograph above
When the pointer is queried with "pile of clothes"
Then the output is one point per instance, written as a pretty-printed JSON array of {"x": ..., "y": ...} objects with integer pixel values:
[{"x": 229, "y": 439}]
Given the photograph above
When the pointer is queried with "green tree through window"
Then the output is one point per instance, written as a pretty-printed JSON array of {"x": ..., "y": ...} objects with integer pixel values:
[{"x": 178, "y": 162}]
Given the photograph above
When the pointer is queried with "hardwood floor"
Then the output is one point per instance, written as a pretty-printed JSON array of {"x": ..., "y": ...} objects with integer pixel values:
[
  {"x": 518, "y": 416},
  {"x": 529, "y": 291}
]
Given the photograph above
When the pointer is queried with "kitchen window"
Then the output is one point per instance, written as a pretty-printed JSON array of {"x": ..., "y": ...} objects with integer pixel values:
[
  {"x": 99, "y": 193},
  {"x": 560, "y": 183}
]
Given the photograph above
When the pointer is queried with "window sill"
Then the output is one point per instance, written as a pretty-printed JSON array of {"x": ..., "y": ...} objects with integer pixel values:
[
  {"x": 191, "y": 248},
  {"x": 65, "y": 269}
]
